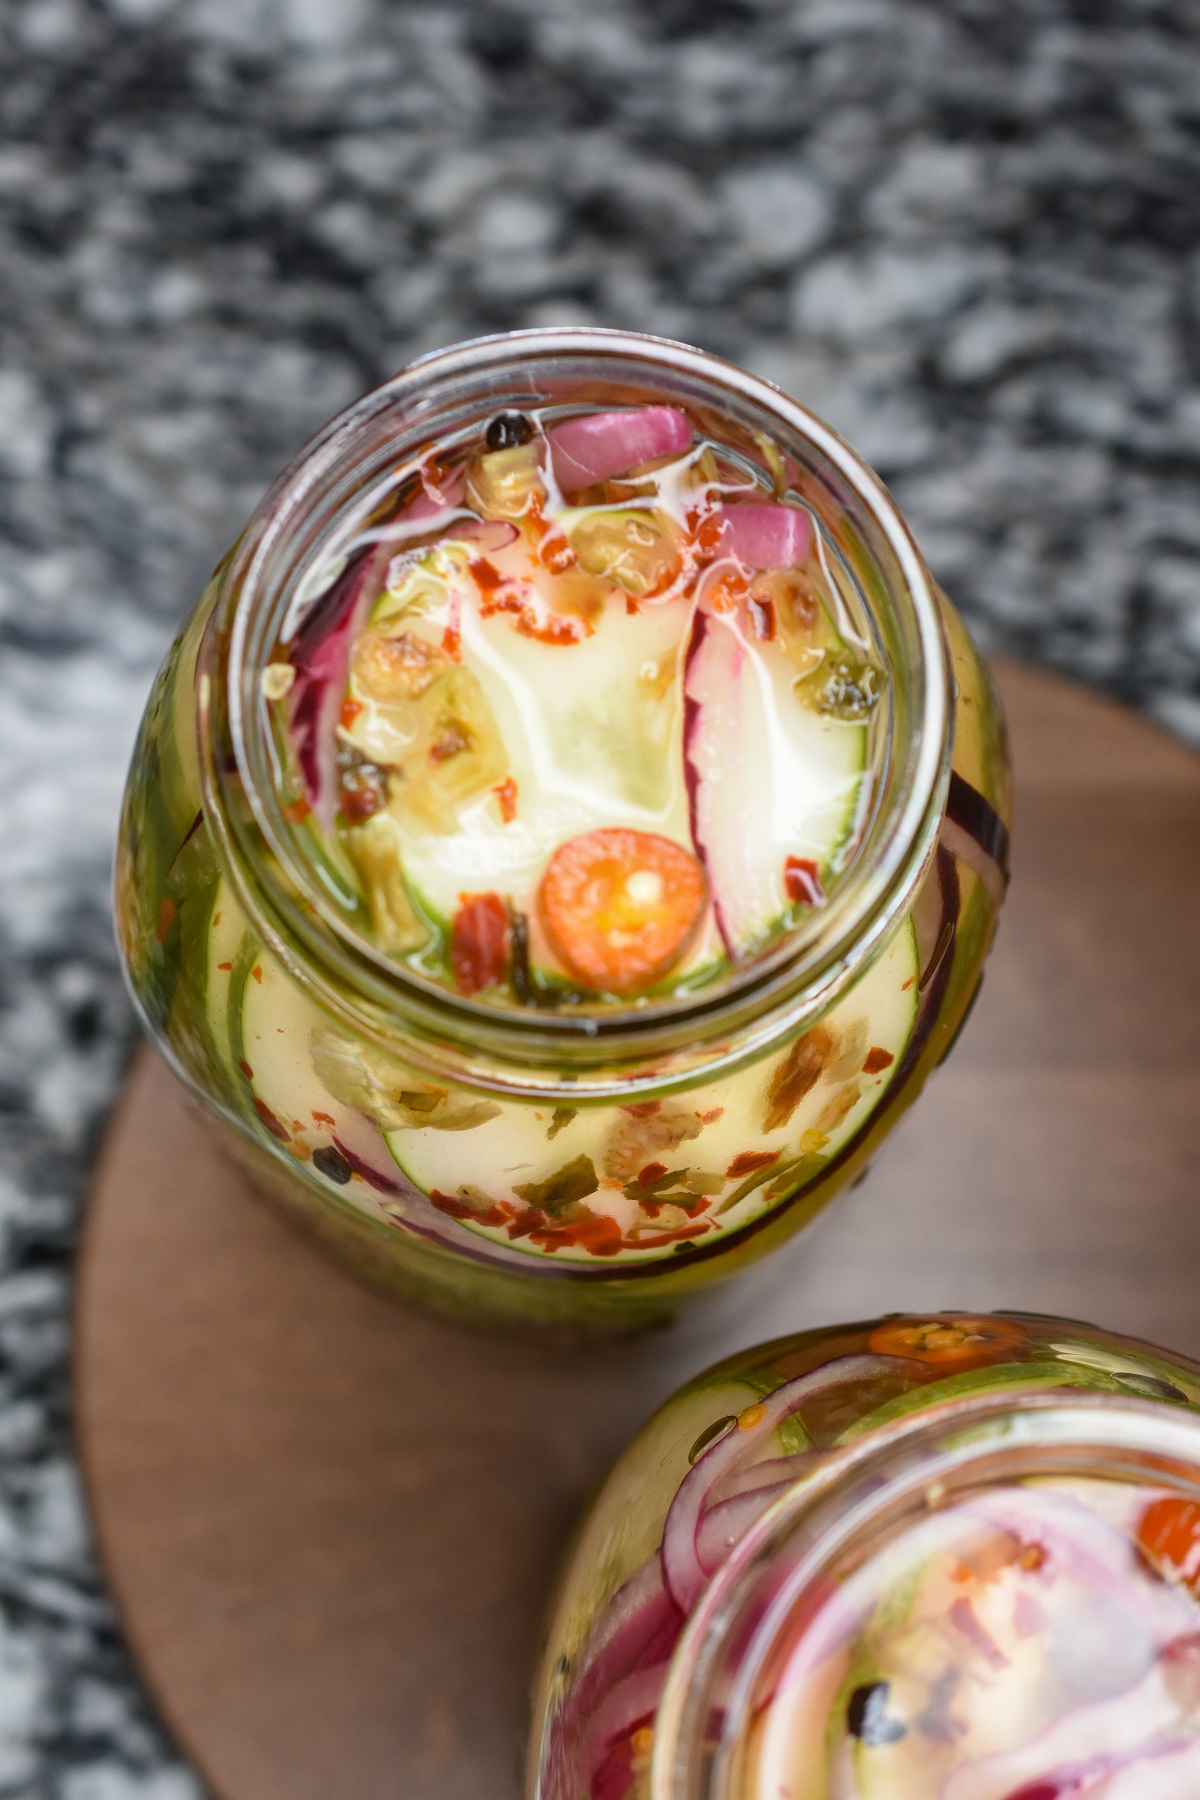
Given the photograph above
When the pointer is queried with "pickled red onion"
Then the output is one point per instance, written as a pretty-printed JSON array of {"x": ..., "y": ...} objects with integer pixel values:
[
  {"x": 321, "y": 658},
  {"x": 764, "y": 536},
  {"x": 683, "y": 1570},
  {"x": 597, "y": 445}
]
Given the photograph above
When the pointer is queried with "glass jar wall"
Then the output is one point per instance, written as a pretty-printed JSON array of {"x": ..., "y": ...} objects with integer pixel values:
[
  {"x": 619, "y": 604},
  {"x": 943, "y": 1555}
]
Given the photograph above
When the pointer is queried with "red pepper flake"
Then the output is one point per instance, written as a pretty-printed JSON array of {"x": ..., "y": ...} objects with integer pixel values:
[
  {"x": 452, "y": 643},
  {"x": 724, "y": 593},
  {"x": 877, "y": 1059},
  {"x": 256, "y": 971},
  {"x": 904, "y": 986},
  {"x": 479, "y": 942},
  {"x": 270, "y": 1121},
  {"x": 555, "y": 551},
  {"x": 650, "y": 1174},
  {"x": 498, "y": 593},
  {"x": 350, "y": 711},
  {"x": 225, "y": 965},
  {"x": 166, "y": 913},
  {"x": 642, "y": 1109},
  {"x": 802, "y": 880},
  {"x": 320, "y": 1117},
  {"x": 296, "y": 811},
  {"x": 248, "y": 1072},
  {"x": 506, "y": 797},
  {"x": 599, "y": 1234},
  {"x": 216, "y": 920},
  {"x": 711, "y": 1117},
  {"x": 762, "y": 617},
  {"x": 747, "y": 1161},
  {"x": 532, "y": 1219},
  {"x": 499, "y": 1213}
]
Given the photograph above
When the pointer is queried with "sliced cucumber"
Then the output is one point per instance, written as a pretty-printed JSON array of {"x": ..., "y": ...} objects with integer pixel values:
[
  {"x": 526, "y": 1145},
  {"x": 625, "y": 1524},
  {"x": 227, "y": 933},
  {"x": 273, "y": 1051},
  {"x": 591, "y": 740}
]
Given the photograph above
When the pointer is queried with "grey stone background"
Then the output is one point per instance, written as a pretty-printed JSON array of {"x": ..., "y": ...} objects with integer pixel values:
[{"x": 965, "y": 231}]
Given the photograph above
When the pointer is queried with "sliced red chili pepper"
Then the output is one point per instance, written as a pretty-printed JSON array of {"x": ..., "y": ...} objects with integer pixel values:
[
  {"x": 1168, "y": 1534},
  {"x": 650, "y": 1174},
  {"x": 951, "y": 1340},
  {"x": 802, "y": 881}
]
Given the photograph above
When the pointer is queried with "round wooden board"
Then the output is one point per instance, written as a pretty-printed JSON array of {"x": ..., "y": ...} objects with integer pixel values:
[{"x": 331, "y": 1526}]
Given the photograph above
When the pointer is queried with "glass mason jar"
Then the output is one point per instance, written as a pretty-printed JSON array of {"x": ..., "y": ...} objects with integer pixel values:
[
  {"x": 945, "y": 1556},
  {"x": 535, "y": 1153}
]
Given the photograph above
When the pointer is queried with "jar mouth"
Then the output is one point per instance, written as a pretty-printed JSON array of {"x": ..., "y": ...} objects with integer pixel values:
[
  {"x": 335, "y": 475},
  {"x": 771, "y": 1586}
]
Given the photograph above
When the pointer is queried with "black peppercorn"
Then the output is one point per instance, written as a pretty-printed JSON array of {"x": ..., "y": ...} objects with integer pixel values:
[
  {"x": 508, "y": 430},
  {"x": 867, "y": 1715},
  {"x": 332, "y": 1163}
]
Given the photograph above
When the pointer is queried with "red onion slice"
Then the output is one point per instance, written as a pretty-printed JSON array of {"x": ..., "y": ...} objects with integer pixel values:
[
  {"x": 321, "y": 658},
  {"x": 631, "y": 1703},
  {"x": 716, "y": 694},
  {"x": 683, "y": 1570},
  {"x": 768, "y": 1473},
  {"x": 765, "y": 536},
  {"x": 437, "y": 495},
  {"x": 1090, "y": 1551},
  {"x": 1094, "y": 1748},
  {"x": 597, "y": 445},
  {"x": 724, "y": 1525},
  {"x": 639, "y": 1624},
  {"x": 361, "y": 1143}
]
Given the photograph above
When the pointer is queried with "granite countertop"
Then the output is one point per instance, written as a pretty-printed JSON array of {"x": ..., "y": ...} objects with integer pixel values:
[{"x": 966, "y": 232}]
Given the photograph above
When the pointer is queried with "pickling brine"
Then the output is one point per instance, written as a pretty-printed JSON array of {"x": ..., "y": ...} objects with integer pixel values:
[
  {"x": 940, "y": 1558},
  {"x": 568, "y": 831}
]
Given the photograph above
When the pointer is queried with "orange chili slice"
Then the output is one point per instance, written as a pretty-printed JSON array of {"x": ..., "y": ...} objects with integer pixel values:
[
  {"x": 952, "y": 1340},
  {"x": 621, "y": 906},
  {"x": 1168, "y": 1535}
]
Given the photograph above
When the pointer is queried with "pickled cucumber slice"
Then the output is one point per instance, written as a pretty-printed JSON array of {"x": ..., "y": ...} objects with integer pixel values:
[
  {"x": 273, "y": 1049},
  {"x": 731, "y": 1140}
]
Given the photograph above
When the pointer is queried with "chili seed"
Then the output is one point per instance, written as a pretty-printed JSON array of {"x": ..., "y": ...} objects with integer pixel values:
[
  {"x": 709, "y": 1435},
  {"x": 1152, "y": 1386}
]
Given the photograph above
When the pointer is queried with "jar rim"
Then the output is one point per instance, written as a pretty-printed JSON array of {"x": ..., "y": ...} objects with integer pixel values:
[
  {"x": 913, "y": 1460},
  {"x": 753, "y": 1007}
]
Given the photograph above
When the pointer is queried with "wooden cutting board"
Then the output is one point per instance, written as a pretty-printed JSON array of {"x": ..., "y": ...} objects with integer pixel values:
[{"x": 331, "y": 1525}]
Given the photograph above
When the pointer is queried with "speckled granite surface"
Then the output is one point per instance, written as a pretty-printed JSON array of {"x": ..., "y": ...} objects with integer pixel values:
[{"x": 966, "y": 232}]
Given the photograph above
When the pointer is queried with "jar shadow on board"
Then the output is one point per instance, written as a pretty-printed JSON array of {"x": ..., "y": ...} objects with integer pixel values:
[
  {"x": 945, "y": 1556},
  {"x": 567, "y": 832}
]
